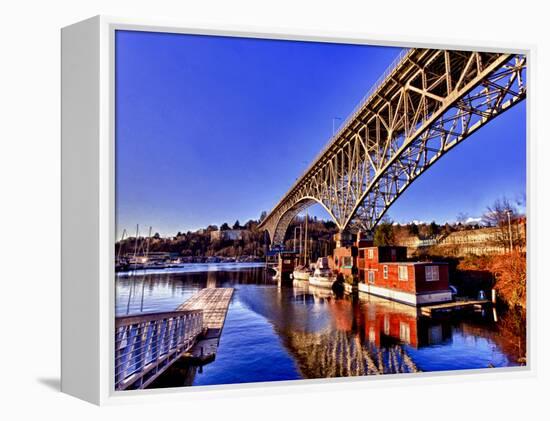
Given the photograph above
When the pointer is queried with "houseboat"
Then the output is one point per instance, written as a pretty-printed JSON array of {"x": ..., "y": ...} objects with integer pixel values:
[
  {"x": 384, "y": 272},
  {"x": 285, "y": 265}
]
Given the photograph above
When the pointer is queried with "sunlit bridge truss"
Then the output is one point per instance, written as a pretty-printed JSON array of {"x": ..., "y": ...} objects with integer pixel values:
[{"x": 425, "y": 104}]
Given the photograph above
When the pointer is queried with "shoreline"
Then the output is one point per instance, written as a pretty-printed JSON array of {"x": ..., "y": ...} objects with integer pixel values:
[{"x": 191, "y": 268}]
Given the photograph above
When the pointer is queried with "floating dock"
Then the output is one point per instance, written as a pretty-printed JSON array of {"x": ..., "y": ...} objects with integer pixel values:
[
  {"x": 214, "y": 303},
  {"x": 430, "y": 310},
  {"x": 147, "y": 344}
]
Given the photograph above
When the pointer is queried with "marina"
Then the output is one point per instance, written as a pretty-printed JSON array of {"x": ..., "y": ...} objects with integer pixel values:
[{"x": 290, "y": 330}]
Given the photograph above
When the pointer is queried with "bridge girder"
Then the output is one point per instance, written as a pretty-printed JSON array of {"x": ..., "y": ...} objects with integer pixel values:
[{"x": 427, "y": 104}]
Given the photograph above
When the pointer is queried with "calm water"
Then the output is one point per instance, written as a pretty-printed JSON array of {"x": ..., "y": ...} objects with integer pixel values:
[{"x": 284, "y": 332}]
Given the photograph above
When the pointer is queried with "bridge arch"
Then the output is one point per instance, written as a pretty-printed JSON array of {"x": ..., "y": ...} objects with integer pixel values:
[{"x": 278, "y": 229}]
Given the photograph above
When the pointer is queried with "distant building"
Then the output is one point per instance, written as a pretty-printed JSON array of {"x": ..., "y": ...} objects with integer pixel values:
[{"x": 228, "y": 235}]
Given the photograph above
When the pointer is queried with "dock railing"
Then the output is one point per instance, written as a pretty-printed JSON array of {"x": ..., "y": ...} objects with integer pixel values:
[{"x": 147, "y": 344}]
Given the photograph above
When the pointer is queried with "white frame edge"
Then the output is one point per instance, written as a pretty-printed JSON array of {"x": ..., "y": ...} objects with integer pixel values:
[{"x": 88, "y": 213}]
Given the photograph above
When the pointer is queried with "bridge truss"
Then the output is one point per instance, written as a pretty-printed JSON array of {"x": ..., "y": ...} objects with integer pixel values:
[{"x": 425, "y": 105}]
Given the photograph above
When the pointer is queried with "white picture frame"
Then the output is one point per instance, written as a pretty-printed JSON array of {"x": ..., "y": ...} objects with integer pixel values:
[{"x": 88, "y": 210}]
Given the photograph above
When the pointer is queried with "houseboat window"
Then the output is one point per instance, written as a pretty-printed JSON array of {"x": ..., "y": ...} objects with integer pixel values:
[
  {"x": 385, "y": 271},
  {"x": 346, "y": 261},
  {"x": 432, "y": 273},
  {"x": 405, "y": 332},
  {"x": 372, "y": 335},
  {"x": 403, "y": 273},
  {"x": 393, "y": 255},
  {"x": 371, "y": 277},
  {"x": 371, "y": 253},
  {"x": 361, "y": 254}
]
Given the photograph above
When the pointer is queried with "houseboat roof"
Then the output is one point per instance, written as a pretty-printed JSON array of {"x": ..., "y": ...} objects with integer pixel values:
[
  {"x": 413, "y": 263},
  {"x": 381, "y": 247}
]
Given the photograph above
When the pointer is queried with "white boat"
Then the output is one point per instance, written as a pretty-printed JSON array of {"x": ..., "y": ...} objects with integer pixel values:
[
  {"x": 301, "y": 273},
  {"x": 322, "y": 275}
]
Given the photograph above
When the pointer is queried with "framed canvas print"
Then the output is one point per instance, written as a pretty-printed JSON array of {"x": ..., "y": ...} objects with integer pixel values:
[{"x": 251, "y": 209}]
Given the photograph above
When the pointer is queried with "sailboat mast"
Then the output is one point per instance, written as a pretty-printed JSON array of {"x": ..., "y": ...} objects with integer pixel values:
[
  {"x": 120, "y": 246},
  {"x": 300, "y": 258},
  {"x": 148, "y": 242},
  {"x": 136, "y": 245},
  {"x": 306, "y": 243}
]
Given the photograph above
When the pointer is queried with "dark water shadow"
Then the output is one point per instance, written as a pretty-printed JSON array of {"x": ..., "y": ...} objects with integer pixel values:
[{"x": 53, "y": 383}]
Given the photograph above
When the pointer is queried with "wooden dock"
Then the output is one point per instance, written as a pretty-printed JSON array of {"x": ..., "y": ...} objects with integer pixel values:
[
  {"x": 429, "y": 310},
  {"x": 214, "y": 303},
  {"x": 146, "y": 345}
]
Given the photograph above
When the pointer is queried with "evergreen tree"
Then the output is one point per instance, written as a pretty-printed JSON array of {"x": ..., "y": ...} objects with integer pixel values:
[{"x": 384, "y": 235}]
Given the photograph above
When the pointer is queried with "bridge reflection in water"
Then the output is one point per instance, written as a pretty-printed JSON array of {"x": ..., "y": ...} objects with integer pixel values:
[
  {"x": 364, "y": 337},
  {"x": 283, "y": 332}
]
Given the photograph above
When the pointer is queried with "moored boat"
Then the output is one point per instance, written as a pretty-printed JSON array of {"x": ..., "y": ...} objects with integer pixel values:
[
  {"x": 322, "y": 276},
  {"x": 301, "y": 273}
]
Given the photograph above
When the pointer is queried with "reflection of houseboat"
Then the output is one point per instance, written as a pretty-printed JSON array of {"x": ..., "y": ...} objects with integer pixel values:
[
  {"x": 301, "y": 273},
  {"x": 322, "y": 275},
  {"x": 387, "y": 321}
]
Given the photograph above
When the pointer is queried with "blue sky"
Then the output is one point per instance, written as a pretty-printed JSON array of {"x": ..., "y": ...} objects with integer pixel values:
[{"x": 214, "y": 129}]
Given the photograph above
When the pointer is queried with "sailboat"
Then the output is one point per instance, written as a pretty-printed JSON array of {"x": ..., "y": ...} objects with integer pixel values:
[{"x": 322, "y": 275}]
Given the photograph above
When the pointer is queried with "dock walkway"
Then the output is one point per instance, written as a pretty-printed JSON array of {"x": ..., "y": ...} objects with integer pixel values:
[
  {"x": 429, "y": 310},
  {"x": 214, "y": 303}
]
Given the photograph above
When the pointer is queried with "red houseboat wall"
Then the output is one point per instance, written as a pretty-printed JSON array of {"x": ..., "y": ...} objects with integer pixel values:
[
  {"x": 344, "y": 260},
  {"x": 383, "y": 271},
  {"x": 423, "y": 285}
]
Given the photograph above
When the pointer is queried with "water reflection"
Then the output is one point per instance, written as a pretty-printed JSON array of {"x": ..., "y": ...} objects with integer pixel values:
[{"x": 279, "y": 331}]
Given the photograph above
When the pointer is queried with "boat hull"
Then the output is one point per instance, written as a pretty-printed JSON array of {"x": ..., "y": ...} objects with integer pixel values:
[
  {"x": 300, "y": 276},
  {"x": 321, "y": 281},
  {"x": 407, "y": 297}
]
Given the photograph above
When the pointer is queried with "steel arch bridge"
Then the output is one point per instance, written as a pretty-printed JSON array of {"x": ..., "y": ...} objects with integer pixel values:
[{"x": 424, "y": 105}]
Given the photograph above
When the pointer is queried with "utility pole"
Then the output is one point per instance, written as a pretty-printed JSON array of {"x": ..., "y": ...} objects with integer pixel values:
[{"x": 508, "y": 211}]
